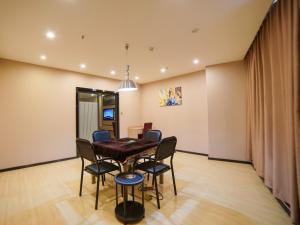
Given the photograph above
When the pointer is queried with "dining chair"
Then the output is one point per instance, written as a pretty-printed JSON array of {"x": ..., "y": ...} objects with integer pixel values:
[
  {"x": 152, "y": 135},
  {"x": 165, "y": 149},
  {"x": 147, "y": 126},
  {"x": 97, "y": 167},
  {"x": 101, "y": 135}
]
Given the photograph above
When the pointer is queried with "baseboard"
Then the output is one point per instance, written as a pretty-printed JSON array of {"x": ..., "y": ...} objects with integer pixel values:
[
  {"x": 212, "y": 158},
  {"x": 284, "y": 205},
  {"x": 230, "y": 160},
  {"x": 195, "y": 153},
  {"x": 35, "y": 164}
]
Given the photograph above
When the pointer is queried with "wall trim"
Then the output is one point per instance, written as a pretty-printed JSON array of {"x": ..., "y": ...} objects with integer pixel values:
[
  {"x": 35, "y": 164},
  {"x": 194, "y": 153},
  {"x": 213, "y": 158},
  {"x": 284, "y": 205},
  {"x": 230, "y": 160}
]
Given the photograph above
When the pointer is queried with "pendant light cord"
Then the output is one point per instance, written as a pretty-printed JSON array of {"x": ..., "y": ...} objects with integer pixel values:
[{"x": 127, "y": 66}]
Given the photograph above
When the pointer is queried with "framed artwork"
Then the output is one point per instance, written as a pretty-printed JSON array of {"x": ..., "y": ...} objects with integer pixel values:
[{"x": 170, "y": 97}]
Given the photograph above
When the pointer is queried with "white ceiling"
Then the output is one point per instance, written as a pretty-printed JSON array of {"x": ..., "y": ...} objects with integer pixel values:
[{"x": 226, "y": 30}]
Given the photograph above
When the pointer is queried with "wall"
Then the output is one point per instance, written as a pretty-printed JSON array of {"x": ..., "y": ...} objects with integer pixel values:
[
  {"x": 37, "y": 117},
  {"x": 226, "y": 85},
  {"x": 188, "y": 122},
  {"x": 212, "y": 117},
  {"x": 38, "y": 105}
]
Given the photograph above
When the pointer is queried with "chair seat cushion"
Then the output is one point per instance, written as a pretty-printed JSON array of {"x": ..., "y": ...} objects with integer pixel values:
[
  {"x": 150, "y": 167},
  {"x": 104, "y": 167},
  {"x": 129, "y": 179}
]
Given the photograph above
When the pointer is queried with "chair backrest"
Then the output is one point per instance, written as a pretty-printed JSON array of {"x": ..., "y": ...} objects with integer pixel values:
[
  {"x": 152, "y": 135},
  {"x": 101, "y": 135},
  {"x": 147, "y": 126},
  {"x": 166, "y": 148},
  {"x": 85, "y": 149}
]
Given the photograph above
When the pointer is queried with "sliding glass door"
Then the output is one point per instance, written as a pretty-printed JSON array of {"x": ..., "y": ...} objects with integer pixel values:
[
  {"x": 88, "y": 114},
  {"x": 96, "y": 110}
]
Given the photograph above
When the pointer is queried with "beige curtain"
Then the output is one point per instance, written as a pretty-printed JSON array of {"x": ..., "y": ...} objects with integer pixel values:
[{"x": 273, "y": 101}]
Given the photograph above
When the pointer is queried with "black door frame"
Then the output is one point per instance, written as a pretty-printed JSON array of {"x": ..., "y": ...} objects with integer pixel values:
[{"x": 96, "y": 91}]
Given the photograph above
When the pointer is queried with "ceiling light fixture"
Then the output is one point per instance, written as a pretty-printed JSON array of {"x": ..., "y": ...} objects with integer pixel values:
[
  {"x": 113, "y": 72},
  {"x": 50, "y": 35},
  {"x": 82, "y": 66},
  {"x": 164, "y": 69},
  {"x": 43, "y": 57},
  {"x": 195, "y": 30},
  {"x": 136, "y": 77},
  {"x": 196, "y": 61},
  {"x": 127, "y": 84}
]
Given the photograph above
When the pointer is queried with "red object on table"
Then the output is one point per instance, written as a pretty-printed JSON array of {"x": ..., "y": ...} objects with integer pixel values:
[{"x": 123, "y": 148}]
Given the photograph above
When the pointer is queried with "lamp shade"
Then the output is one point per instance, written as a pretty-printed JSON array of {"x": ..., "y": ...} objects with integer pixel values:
[{"x": 127, "y": 85}]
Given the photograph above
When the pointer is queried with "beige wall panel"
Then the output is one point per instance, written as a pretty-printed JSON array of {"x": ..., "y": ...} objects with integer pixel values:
[
  {"x": 188, "y": 122},
  {"x": 226, "y": 94},
  {"x": 37, "y": 114}
]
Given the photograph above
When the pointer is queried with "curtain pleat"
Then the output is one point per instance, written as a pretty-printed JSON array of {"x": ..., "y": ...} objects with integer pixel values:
[{"x": 273, "y": 101}]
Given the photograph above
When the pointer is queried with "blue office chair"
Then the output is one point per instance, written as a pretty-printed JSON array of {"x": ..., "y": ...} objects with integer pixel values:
[
  {"x": 152, "y": 135},
  {"x": 165, "y": 149},
  {"x": 97, "y": 168},
  {"x": 101, "y": 135}
]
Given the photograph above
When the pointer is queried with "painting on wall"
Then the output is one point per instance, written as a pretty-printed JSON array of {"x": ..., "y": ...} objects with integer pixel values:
[{"x": 170, "y": 97}]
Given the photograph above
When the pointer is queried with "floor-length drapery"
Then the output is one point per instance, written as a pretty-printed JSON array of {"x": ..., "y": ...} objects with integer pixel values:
[{"x": 273, "y": 103}]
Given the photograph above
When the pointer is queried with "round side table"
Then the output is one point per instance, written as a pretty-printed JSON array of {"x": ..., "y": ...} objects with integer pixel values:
[{"x": 129, "y": 211}]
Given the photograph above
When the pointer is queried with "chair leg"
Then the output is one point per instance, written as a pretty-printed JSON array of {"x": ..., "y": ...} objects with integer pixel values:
[
  {"x": 152, "y": 179},
  {"x": 81, "y": 180},
  {"x": 97, "y": 192},
  {"x": 102, "y": 179},
  {"x": 148, "y": 176},
  {"x": 174, "y": 184},
  {"x": 156, "y": 190}
]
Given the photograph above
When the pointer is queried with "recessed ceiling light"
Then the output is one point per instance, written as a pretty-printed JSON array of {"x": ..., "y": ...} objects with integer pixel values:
[
  {"x": 195, "y": 30},
  {"x": 113, "y": 72},
  {"x": 43, "y": 57},
  {"x": 50, "y": 35},
  {"x": 82, "y": 66},
  {"x": 136, "y": 77},
  {"x": 164, "y": 69},
  {"x": 196, "y": 61}
]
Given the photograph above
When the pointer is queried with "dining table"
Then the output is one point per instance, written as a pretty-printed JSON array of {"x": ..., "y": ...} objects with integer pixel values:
[{"x": 126, "y": 150}]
